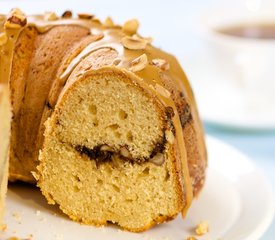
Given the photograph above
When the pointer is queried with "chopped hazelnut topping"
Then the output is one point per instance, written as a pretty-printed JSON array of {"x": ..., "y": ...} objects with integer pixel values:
[
  {"x": 148, "y": 40},
  {"x": 108, "y": 22},
  {"x": 163, "y": 91},
  {"x": 133, "y": 43},
  {"x": 97, "y": 36},
  {"x": 139, "y": 63},
  {"x": 16, "y": 11},
  {"x": 67, "y": 14},
  {"x": 3, "y": 38},
  {"x": 116, "y": 61},
  {"x": 85, "y": 16},
  {"x": 131, "y": 26},
  {"x": 96, "y": 20},
  {"x": 161, "y": 63},
  {"x": 15, "y": 19},
  {"x": 50, "y": 16},
  {"x": 202, "y": 228}
]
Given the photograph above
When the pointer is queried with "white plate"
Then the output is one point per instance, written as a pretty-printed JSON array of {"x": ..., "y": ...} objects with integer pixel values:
[
  {"x": 226, "y": 102},
  {"x": 237, "y": 201}
]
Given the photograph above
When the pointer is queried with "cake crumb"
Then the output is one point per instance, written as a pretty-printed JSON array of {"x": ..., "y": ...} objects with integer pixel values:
[
  {"x": 59, "y": 237},
  {"x": 202, "y": 228},
  {"x": 42, "y": 219},
  {"x": 3, "y": 227},
  {"x": 29, "y": 237},
  {"x": 13, "y": 238},
  {"x": 147, "y": 237},
  {"x": 38, "y": 213},
  {"x": 191, "y": 238},
  {"x": 17, "y": 217}
]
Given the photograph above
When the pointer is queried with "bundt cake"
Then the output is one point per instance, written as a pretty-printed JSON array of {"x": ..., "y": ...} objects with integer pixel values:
[
  {"x": 4, "y": 143},
  {"x": 104, "y": 122}
]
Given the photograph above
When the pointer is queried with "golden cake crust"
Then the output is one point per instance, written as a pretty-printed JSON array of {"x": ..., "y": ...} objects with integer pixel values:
[{"x": 32, "y": 77}]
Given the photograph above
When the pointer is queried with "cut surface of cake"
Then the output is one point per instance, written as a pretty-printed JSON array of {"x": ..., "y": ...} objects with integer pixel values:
[
  {"x": 4, "y": 146},
  {"x": 117, "y": 164},
  {"x": 109, "y": 123}
]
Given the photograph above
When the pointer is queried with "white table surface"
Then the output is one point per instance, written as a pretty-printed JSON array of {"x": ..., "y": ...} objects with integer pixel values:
[{"x": 172, "y": 25}]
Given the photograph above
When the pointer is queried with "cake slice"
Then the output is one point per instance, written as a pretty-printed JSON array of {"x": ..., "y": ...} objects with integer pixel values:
[
  {"x": 110, "y": 154},
  {"x": 4, "y": 146}
]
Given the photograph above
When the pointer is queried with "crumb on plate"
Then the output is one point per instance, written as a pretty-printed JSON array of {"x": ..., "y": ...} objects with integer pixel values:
[
  {"x": 202, "y": 228},
  {"x": 191, "y": 238}
]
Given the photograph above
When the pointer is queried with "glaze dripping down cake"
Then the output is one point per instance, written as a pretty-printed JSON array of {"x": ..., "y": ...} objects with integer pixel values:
[{"x": 109, "y": 123}]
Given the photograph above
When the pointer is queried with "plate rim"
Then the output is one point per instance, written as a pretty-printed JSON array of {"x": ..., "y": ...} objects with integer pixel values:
[{"x": 267, "y": 219}]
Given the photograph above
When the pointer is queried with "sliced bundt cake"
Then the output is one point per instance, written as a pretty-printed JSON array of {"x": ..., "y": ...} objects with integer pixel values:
[{"x": 123, "y": 142}]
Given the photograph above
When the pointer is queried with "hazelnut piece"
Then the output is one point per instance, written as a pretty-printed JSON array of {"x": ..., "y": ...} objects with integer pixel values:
[
  {"x": 158, "y": 159},
  {"x": 85, "y": 16},
  {"x": 130, "y": 26},
  {"x": 133, "y": 43},
  {"x": 161, "y": 64},
  {"x": 108, "y": 22},
  {"x": 50, "y": 16},
  {"x": 139, "y": 63},
  {"x": 202, "y": 228},
  {"x": 163, "y": 91},
  {"x": 16, "y": 19},
  {"x": 67, "y": 14}
]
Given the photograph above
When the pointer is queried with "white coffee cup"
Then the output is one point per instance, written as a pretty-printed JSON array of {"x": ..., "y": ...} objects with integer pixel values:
[{"x": 248, "y": 62}]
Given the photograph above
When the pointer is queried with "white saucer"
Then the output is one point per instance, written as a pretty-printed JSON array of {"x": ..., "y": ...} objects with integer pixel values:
[
  {"x": 237, "y": 201},
  {"x": 227, "y": 103}
]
